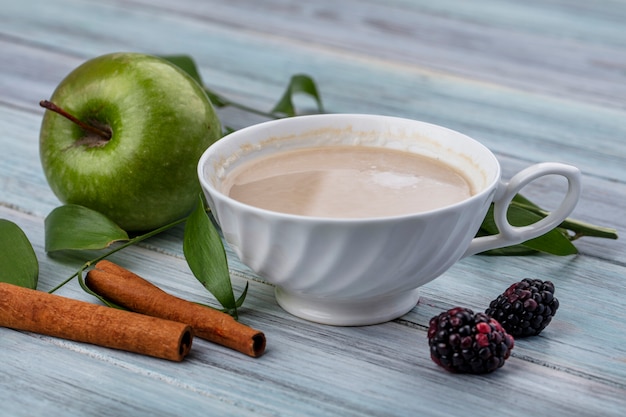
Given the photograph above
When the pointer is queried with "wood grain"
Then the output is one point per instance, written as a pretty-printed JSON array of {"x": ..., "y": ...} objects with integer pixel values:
[{"x": 534, "y": 81}]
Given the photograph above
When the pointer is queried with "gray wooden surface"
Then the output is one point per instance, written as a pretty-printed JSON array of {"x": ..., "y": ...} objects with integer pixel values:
[{"x": 535, "y": 81}]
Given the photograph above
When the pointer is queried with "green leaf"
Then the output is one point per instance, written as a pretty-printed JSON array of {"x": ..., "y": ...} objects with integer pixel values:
[
  {"x": 521, "y": 200},
  {"x": 515, "y": 250},
  {"x": 186, "y": 63},
  {"x": 299, "y": 84},
  {"x": 216, "y": 99},
  {"x": 581, "y": 229},
  {"x": 83, "y": 285},
  {"x": 242, "y": 297},
  {"x": 554, "y": 242},
  {"x": 18, "y": 262},
  {"x": 578, "y": 227},
  {"x": 74, "y": 227},
  {"x": 206, "y": 257}
]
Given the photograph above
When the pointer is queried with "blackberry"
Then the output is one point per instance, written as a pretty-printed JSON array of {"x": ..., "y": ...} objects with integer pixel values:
[
  {"x": 525, "y": 308},
  {"x": 463, "y": 342}
]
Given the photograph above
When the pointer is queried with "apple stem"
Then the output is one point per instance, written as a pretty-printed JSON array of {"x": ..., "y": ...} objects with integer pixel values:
[{"x": 105, "y": 134}]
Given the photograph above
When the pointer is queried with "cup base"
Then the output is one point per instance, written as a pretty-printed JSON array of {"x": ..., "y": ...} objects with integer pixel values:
[{"x": 345, "y": 312}]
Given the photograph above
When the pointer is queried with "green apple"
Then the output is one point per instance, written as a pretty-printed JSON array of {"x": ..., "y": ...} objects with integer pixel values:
[{"x": 124, "y": 137}]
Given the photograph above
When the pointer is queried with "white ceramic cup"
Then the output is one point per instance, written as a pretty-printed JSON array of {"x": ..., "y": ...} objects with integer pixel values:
[{"x": 365, "y": 271}]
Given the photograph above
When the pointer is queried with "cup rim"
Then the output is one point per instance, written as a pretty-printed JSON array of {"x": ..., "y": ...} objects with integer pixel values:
[{"x": 207, "y": 186}]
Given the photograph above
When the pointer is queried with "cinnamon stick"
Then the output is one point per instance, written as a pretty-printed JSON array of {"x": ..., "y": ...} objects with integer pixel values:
[
  {"x": 53, "y": 315},
  {"x": 133, "y": 292}
]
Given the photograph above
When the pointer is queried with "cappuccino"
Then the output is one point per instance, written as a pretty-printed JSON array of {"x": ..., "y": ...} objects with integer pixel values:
[{"x": 347, "y": 182}]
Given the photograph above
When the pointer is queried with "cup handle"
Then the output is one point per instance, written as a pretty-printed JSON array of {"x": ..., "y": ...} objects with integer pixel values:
[{"x": 511, "y": 235}]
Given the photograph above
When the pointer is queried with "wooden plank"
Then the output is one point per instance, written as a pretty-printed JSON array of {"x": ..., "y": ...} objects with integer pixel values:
[
  {"x": 537, "y": 80},
  {"x": 556, "y": 48},
  {"x": 484, "y": 46},
  {"x": 580, "y": 337},
  {"x": 535, "y": 123},
  {"x": 313, "y": 369}
]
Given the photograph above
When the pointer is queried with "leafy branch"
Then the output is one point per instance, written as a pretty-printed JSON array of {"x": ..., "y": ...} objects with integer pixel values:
[
  {"x": 558, "y": 241},
  {"x": 299, "y": 84},
  {"x": 74, "y": 227}
]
